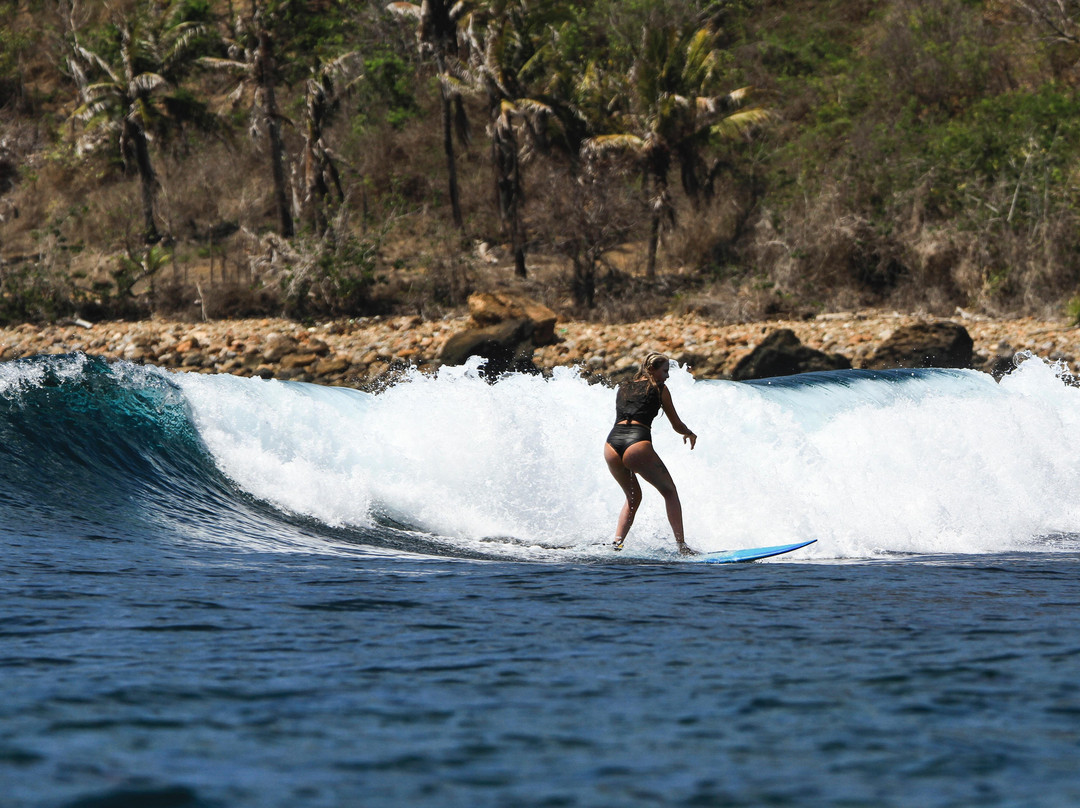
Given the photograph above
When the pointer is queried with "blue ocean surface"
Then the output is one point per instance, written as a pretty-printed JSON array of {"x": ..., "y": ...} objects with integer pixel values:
[{"x": 221, "y": 592}]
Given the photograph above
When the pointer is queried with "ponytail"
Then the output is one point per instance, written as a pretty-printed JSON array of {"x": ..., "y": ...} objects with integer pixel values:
[{"x": 651, "y": 361}]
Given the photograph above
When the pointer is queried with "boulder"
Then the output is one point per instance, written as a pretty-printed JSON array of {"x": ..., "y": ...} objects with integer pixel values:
[
  {"x": 316, "y": 346},
  {"x": 508, "y": 347},
  {"x": 292, "y": 361},
  {"x": 924, "y": 345},
  {"x": 328, "y": 366},
  {"x": 782, "y": 354},
  {"x": 278, "y": 345},
  {"x": 492, "y": 308}
]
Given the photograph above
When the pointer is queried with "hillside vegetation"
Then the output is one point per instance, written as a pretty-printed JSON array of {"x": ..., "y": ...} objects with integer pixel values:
[{"x": 616, "y": 159}]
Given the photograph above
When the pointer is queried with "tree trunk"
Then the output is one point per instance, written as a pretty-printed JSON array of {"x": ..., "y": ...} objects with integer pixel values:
[
  {"x": 654, "y": 243},
  {"x": 508, "y": 190},
  {"x": 273, "y": 127},
  {"x": 661, "y": 209},
  {"x": 448, "y": 148},
  {"x": 315, "y": 188},
  {"x": 584, "y": 284},
  {"x": 147, "y": 179}
]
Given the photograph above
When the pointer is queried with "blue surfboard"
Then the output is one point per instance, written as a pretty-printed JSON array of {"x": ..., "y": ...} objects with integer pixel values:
[{"x": 749, "y": 554}]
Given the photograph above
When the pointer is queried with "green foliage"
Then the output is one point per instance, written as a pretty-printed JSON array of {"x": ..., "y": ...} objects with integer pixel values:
[
  {"x": 1072, "y": 310},
  {"x": 32, "y": 292},
  {"x": 1000, "y": 132},
  {"x": 134, "y": 267},
  {"x": 194, "y": 11},
  {"x": 386, "y": 92},
  {"x": 305, "y": 33},
  {"x": 905, "y": 115},
  {"x": 13, "y": 45}
]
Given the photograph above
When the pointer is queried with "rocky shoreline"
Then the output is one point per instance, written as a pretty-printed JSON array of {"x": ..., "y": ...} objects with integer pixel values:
[{"x": 368, "y": 352}]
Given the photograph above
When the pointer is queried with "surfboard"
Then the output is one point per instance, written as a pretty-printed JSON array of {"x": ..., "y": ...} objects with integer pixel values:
[{"x": 749, "y": 554}]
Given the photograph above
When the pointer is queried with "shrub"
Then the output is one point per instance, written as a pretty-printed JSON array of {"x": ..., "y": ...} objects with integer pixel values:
[{"x": 34, "y": 292}]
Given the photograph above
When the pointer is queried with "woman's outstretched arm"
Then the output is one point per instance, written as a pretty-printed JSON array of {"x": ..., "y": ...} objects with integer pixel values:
[{"x": 673, "y": 417}]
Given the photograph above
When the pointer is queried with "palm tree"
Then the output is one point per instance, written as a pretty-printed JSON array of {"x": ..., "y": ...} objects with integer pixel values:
[
  {"x": 437, "y": 37},
  {"x": 324, "y": 90},
  {"x": 674, "y": 117},
  {"x": 137, "y": 95},
  {"x": 510, "y": 57},
  {"x": 253, "y": 59}
]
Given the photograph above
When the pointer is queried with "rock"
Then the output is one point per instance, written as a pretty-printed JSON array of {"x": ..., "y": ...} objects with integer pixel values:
[
  {"x": 317, "y": 346},
  {"x": 193, "y": 359},
  {"x": 293, "y": 361},
  {"x": 507, "y": 346},
  {"x": 999, "y": 366},
  {"x": 278, "y": 345},
  {"x": 924, "y": 345},
  {"x": 332, "y": 365},
  {"x": 491, "y": 308},
  {"x": 782, "y": 354}
]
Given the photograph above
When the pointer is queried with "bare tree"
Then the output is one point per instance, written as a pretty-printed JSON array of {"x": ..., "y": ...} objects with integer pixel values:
[{"x": 1059, "y": 18}]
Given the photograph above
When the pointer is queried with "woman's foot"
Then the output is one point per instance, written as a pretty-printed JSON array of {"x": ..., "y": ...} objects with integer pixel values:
[
  {"x": 618, "y": 544},
  {"x": 684, "y": 550}
]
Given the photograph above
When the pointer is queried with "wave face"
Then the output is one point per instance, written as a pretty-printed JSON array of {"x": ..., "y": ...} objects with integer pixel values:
[{"x": 868, "y": 463}]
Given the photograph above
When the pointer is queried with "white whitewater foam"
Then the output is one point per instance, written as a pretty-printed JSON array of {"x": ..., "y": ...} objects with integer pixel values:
[{"x": 925, "y": 462}]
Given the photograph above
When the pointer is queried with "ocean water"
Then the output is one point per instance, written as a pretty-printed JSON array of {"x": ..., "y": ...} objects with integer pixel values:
[{"x": 220, "y": 592}]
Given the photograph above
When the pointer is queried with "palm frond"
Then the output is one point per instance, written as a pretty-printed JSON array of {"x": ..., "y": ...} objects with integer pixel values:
[
  {"x": 404, "y": 9},
  {"x": 533, "y": 107},
  {"x": 723, "y": 104},
  {"x": 148, "y": 82},
  {"x": 739, "y": 123},
  {"x": 456, "y": 86},
  {"x": 700, "y": 45},
  {"x": 471, "y": 33},
  {"x": 344, "y": 70},
  {"x": 77, "y": 73},
  {"x": 87, "y": 112},
  {"x": 458, "y": 10},
  {"x": 602, "y": 145},
  {"x": 93, "y": 59},
  {"x": 103, "y": 89},
  {"x": 181, "y": 39},
  {"x": 232, "y": 65}
]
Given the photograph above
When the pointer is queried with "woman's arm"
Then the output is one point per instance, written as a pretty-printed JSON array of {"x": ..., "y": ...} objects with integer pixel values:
[{"x": 673, "y": 417}]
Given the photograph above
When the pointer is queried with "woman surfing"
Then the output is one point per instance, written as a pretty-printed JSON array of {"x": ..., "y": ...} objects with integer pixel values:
[{"x": 629, "y": 451}]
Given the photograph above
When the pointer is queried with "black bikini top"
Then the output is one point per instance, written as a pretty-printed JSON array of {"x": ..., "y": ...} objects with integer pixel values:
[{"x": 637, "y": 401}]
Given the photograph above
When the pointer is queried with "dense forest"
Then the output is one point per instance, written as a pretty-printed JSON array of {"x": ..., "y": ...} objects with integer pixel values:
[{"x": 616, "y": 159}]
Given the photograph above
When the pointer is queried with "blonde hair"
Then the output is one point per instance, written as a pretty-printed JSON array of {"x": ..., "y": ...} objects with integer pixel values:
[{"x": 650, "y": 362}]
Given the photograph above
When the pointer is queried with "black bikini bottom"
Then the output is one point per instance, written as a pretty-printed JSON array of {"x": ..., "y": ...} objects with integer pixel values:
[{"x": 623, "y": 436}]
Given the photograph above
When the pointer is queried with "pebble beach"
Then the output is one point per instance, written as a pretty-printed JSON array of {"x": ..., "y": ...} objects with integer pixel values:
[{"x": 364, "y": 352}]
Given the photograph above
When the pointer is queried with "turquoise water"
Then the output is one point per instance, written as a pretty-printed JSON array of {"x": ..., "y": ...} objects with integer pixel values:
[{"x": 225, "y": 592}]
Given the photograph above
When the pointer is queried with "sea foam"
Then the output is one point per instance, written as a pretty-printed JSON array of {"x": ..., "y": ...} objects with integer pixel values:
[{"x": 867, "y": 463}]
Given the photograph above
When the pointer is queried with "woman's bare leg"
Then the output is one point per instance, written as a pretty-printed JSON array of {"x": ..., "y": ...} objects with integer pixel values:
[
  {"x": 641, "y": 458},
  {"x": 629, "y": 484}
]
